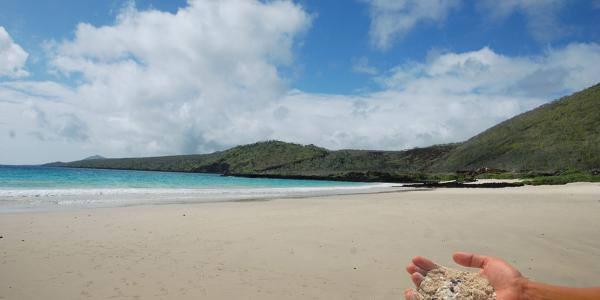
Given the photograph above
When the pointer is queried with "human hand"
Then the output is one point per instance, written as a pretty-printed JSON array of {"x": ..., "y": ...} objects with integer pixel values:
[{"x": 502, "y": 276}]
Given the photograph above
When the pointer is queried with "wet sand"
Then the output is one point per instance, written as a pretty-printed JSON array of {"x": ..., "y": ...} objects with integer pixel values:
[{"x": 337, "y": 247}]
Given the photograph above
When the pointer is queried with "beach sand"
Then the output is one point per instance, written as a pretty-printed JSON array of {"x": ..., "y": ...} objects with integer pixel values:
[{"x": 336, "y": 247}]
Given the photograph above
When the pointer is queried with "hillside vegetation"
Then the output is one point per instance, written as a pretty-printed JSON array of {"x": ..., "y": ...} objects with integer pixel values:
[
  {"x": 561, "y": 138},
  {"x": 558, "y": 136},
  {"x": 280, "y": 159}
]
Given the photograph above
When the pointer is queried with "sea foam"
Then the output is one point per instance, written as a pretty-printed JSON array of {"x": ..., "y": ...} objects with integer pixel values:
[{"x": 48, "y": 199}]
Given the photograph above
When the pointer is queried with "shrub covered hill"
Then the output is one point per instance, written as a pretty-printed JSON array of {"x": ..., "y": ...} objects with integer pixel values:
[
  {"x": 280, "y": 159},
  {"x": 563, "y": 135}
]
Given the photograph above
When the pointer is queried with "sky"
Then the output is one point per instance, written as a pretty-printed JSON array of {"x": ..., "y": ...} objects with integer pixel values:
[{"x": 148, "y": 78}]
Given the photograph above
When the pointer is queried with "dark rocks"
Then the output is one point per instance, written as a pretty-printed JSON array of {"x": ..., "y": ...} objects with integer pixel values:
[
  {"x": 454, "y": 184},
  {"x": 218, "y": 168},
  {"x": 368, "y": 176},
  {"x": 479, "y": 171}
]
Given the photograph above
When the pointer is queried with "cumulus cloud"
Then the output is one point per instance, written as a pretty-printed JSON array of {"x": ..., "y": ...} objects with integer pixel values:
[
  {"x": 12, "y": 56},
  {"x": 156, "y": 82},
  {"x": 391, "y": 119},
  {"x": 448, "y": 98},
  {"x": 207, "y": 77},
  {"x": 392, "y": 19},
  {"x": 554, "y": 73},
  {"x": 542, "y": 15},
  {"x": 171, "y": 79}
]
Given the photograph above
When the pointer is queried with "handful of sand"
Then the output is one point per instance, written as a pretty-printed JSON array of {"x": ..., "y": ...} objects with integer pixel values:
[{"x": 444, "y": 283}]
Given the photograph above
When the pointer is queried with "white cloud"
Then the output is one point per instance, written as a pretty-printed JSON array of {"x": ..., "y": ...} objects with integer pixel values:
[
  {"x": 207, "y": 78},
  {"x": 158, "y": 83},
  {"x": 448, "y": 98},
  {"x": 542, "y": 15},
  {"x": 170, "y": 79},
  {"x": 391, "y": 119},
  {"x": 392, "y": 19},
  {"x": 361, "y": 65},
  {"x": 555, "y": 72},
  {"x": 12, "y": 56}
]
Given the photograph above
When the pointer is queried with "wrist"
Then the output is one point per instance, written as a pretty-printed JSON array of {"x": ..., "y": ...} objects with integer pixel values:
[{"x": 526, "y": 289}]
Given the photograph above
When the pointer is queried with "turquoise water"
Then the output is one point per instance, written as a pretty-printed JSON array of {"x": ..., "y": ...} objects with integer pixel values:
[
  {"x": 24, "y": 188},
  {"x": 34, "y": 177}
]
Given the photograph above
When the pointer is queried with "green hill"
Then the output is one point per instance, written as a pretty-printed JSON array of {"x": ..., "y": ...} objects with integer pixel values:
[
  {"x": 558, "y": 136},
  {"x": 240, "y": 159},
  {"x": 280, "y": 159},
  {"x": 413, "y": 161}
]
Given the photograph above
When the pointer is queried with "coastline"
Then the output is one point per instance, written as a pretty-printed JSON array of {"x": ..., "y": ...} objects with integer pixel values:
[
  {"x": 334, "y": 247},
  {"x": 24, "y": 200}
]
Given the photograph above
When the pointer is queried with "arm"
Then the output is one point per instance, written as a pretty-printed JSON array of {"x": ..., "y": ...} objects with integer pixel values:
[
  {"x": 506, "y": 280},
  {"x": 538, "y": 291}
]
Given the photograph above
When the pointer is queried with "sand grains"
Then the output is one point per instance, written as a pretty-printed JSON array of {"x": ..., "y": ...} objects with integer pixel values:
[{"x": 444, "y": 283}]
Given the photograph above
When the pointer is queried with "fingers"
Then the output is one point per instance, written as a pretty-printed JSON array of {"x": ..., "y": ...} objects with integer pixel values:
[
  {"x": 410, "y": 294},
  {"x": 418, "y": 269},
  {"x": 417, "y": 278},
  {"x": 470, "y": 259},
  {"x": 424, "y": 264},
  {"x": 412, "y": 268}
]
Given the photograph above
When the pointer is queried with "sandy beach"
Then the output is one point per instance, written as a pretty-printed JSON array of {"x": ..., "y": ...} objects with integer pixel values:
[{"x": 335, "y": 247}]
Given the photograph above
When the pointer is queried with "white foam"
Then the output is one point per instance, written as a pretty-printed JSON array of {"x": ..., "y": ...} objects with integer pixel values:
[{"x": 27, "y": 199}]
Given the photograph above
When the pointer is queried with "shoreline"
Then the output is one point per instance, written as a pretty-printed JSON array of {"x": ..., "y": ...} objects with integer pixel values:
[
  {"x": 334, "y": 247},
  {"x": 67, "y": 199},
  {"x": 98, "y": 198}
]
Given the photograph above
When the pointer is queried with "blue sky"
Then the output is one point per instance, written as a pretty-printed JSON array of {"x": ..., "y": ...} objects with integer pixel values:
[
  {"x": 338, "y": 38},
  {"x": 260, "y": 64}
]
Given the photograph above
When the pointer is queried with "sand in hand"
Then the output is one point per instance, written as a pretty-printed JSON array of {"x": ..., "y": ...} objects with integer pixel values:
[{"x": 445, "y": 283}]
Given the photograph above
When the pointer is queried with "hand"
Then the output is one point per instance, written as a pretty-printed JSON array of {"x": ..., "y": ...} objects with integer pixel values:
[{"x": 502, "y": 276}]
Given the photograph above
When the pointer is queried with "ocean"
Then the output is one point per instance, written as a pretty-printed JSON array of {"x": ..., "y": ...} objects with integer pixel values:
[{"x": 47, "y": 188}]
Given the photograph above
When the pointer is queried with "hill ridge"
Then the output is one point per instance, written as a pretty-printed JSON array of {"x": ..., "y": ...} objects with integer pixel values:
[{"x": 560, "y": 135}]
